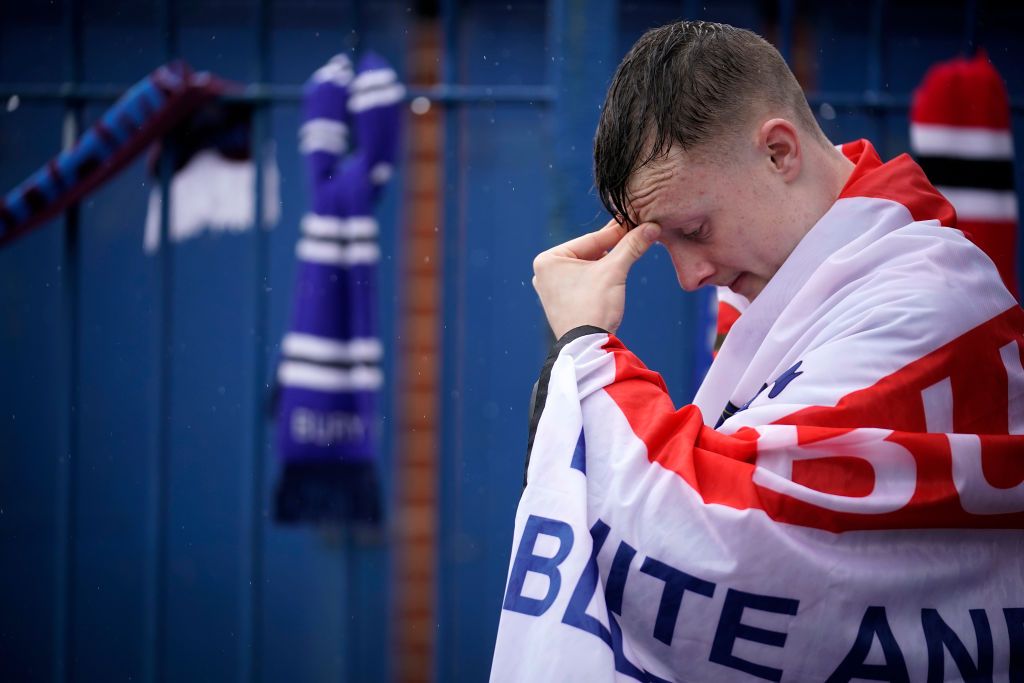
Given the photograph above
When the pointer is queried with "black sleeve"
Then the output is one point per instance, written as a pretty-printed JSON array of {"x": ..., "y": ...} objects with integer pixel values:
[{"x": 540, "y": 388}]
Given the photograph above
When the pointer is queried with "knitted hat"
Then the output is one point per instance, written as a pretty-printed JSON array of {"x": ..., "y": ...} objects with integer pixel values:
[{"x": 960, "y": 134}]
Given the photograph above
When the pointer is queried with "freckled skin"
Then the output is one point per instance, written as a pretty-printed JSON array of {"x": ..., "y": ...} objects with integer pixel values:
[{"x": 734, "y": 221}]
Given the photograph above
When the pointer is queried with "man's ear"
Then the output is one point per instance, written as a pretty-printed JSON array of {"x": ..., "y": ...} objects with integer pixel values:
[{"x": 779, "y": 142}]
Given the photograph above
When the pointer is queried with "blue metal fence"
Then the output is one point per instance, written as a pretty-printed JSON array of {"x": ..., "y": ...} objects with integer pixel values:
[{"x": 135, "y": 465}]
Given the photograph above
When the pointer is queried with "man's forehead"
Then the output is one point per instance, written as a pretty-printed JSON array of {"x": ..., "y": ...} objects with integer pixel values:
[
  {"x": 657, "y": 170},
  {"x": 646, "y": 184}
]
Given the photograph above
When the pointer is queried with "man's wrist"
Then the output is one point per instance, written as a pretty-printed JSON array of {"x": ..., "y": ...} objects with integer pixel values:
[{"x": 576, "y": 333}]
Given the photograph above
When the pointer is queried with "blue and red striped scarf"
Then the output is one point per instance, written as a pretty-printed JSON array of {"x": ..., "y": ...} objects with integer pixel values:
[{"x": 148, "y": 110}]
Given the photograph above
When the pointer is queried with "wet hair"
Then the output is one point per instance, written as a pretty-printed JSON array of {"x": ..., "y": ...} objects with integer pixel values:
[{"x": 683, "y": 85}]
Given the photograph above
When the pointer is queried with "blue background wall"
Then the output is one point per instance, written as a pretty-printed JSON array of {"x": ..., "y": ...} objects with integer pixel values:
[{"x": 135, "y": 465}]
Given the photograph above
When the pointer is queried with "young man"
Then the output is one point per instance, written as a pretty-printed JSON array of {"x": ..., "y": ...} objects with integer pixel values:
[{"x": 844, "y": 498}]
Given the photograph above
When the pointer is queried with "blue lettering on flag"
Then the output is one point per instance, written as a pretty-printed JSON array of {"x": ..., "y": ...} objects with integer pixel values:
[
  {"x": 777, "y": 386},
  {"x": 752, "y": 399},
  {"x": 676, "y": 583},
  {"x": 1015, "y": 627},
  {"x": 527, "y": 562},
  {"x": 731, "y": 628},
  {"x": 617, "y": 575},
  {"x": 623, "y": 665},
  {"x": 579, "y": 455},
  {"x": 575, "y": 612},
  {"x": 785, "y": 378},
  {"x": 938, "y": 635},
  {"x": 873, "y": 624}
]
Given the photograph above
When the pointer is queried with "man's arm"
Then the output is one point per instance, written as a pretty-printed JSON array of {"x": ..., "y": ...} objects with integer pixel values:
[{"x": 809, "y": 472}]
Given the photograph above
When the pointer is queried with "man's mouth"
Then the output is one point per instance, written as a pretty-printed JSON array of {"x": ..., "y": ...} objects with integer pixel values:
[{"x": 737, "y": 283}]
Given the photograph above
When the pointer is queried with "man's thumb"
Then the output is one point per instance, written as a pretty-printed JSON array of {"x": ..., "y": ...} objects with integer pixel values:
[{"x": 635, "y": 243}]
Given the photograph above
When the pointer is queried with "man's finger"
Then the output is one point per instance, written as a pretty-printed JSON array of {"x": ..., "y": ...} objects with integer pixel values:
[
  {"x": 635, "y": 244},
  {"x": 593, "y": 245}
]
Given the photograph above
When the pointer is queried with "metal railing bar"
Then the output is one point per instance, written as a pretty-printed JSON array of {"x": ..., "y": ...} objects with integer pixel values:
[
  {"x": 263, "y": 93},
  {"x": 455, "y": 94}
]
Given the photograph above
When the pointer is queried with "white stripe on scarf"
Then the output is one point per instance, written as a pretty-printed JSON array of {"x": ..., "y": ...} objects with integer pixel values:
[
  {"x": 331, "y": 253},
  {"x": 960, "y": 142},
  {"x": 317, "y": 377},
  {"x": 323, "y": 135},
  {"x": 328, "y": 350},
  {"x": 331, "y": 227},
  {"x": 981, "y": 205}
]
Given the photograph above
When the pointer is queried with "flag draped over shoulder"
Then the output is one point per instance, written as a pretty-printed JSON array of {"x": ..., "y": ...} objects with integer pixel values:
[
  {"x": 961, "y": 135},
  {"x": 330, "y": 372},
  {"x": 843, "y": 501}
]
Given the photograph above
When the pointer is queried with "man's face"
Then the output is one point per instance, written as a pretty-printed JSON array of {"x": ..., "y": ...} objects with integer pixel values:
[{"x": 721, "y": 221}]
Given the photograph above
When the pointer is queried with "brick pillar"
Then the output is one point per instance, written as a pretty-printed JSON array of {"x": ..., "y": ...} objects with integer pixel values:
[{"x": 414, "y": 622}]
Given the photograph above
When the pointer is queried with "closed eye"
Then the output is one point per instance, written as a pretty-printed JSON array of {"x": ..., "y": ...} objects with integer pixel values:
[{"x": 698, "y": 235}]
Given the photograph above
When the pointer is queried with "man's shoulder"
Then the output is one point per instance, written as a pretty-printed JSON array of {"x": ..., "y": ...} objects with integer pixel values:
[
  {"x": 920, "y": 280},
  {"x": 929, "y": 259}
]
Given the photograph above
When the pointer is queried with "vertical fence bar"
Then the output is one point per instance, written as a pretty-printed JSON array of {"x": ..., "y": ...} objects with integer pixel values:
[
  {"x": 875, "y": 48},
  {"x": 156, "y": 536},
  {"x": 970, "y": 27},
  {"x": 555, "y": 39},
  {"x": 352, "y": 585},
  {"x": 452, "y": 347},
  {"x": 585, "y": 40},
  {"x": 355, "y": 22},
  {"x": 67, "y": 465},
  {"x": 251, "y": 605},
  {"x": 64, "y": 560},
  {"x": 876, "y": 69},
  {"x": 787, "y": 14}
]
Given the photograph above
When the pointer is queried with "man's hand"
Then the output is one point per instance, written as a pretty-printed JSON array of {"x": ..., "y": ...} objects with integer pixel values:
[{"x": 583, "y": 282}]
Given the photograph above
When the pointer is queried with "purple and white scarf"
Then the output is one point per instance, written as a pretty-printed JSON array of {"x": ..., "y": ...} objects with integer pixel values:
[{"x": 330, "y": 373}]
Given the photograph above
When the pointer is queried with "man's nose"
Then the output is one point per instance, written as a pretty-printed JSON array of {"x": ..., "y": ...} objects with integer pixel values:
[{"x": 691, "y": 268}]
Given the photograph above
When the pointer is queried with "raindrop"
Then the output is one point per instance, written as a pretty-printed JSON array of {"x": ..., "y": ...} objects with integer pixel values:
[
  {"x": 13, "y": 103},
  {"x": 420, "y": 105},
  {"x": 827, "y": 111}
]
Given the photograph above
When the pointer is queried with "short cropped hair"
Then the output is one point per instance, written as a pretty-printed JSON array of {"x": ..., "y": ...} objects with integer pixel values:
[{"x": 684, "y": 85}]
